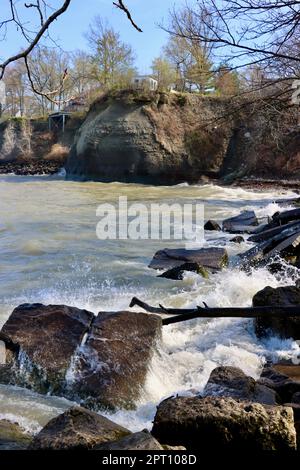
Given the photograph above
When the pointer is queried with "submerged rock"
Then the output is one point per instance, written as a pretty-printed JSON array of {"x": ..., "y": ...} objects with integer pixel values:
[
  {"x": 47, "y": 338},
  {"x": 177, "y": 273},
  {"x": 77, "y": 429},
  {"x": 210, "y": 258},
  {"x": 230, "y": 381},
  {"x": 137, "y": 441},
  {"x": 13, "y": 437},
  {"x": 111, "y": 367},
  {"x": 224, "y": 423},
  {"x": 283, "y": 326}
]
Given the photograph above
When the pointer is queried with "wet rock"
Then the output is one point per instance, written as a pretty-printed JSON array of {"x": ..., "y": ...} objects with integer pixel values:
[
  {"x": 237, "y": 239},
  {"x": 198, "y": 423},
  {"x": 99, "y": 361},
  {"x": 13, "y": 437},
  {"x": 240, "y": 223},
  {"x": 285, "y": 386},
  {"x": 296, "y": 398},
  {"x": 177, "y": 273},
  {"x": 229, "y": 381},
  {"x": 210, "y": 258},
  {"x": 111, "y": 367},
  {"x": 275, "y": 268},
  {"x": 212, "y": 225},
  {"x": 47, "y": 338},
  {"x": 137, "y": 441},
  {"x": 77, "y": 429},
  {"x": 284, "y": 326}
]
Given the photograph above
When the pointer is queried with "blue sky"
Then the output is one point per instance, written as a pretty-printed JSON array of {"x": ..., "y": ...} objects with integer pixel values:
[{"x": 69, "y": 28}]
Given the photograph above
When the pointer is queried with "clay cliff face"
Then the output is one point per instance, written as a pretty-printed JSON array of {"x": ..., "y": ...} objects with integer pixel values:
[
  {"x": 156, "y": 139},
  {"x": 162, "y": 138}
]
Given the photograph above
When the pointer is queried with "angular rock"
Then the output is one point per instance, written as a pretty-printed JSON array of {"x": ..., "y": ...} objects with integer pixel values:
[
  {"x": 47, "y": 338},
  {"x": 229, "y": 381},
  {"x": 224, "y": 423},
  {"x": 112, "y": 365},
  {"x": 77, "y": 429},
  {"x": 284, "y": 326},
  {"x": 13, "y": 437},
  {"x": 286, "y": 216},
  {"x": 210, "y": 258},
  {"x": 212, "y": 225},
  {"x": 269, "y": 233},
  {"x": 285, "y": 386},
  {"x": 137, "y": 441},
  {"x": 177, "y": 273},
  {"x": 240, "y": 223}
]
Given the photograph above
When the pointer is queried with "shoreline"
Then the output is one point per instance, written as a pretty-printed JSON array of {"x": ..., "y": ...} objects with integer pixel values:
[{"x": 44, "y": 167}]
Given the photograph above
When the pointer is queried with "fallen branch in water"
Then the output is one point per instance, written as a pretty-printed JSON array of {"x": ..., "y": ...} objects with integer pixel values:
[{"x": 217, "y": 312}]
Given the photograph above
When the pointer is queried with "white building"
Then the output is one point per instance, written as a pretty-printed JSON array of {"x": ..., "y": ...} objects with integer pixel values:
[
  {"x": 2, "y": 96},
  {"x": 145, "y": 82}
]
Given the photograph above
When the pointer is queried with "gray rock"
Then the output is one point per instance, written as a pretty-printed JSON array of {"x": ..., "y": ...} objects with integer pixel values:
[
  {"x": 229, "y": 381},
  {"x": 210, "y": 258},
  {"x": 224, "y": 423},
  {"x": 77, "y": 429},
  {"x": 284, "y": 326},
  {"x": 240, "y": 223}
]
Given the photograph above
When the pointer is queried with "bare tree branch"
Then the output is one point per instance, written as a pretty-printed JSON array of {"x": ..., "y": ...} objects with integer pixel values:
[
  {"x": 121, "y": 6},
  {"x": 37, "y": 38}
]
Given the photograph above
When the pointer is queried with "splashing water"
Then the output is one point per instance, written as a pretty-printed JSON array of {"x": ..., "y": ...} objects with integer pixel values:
[{"x": 50, "y": 254}]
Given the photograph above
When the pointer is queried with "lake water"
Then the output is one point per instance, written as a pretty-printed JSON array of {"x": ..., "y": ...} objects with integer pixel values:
[{"x": 50, "y": 254}]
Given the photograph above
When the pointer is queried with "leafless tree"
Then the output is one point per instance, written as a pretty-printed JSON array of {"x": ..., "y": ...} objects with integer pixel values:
[{"x": 45, "y": 16}]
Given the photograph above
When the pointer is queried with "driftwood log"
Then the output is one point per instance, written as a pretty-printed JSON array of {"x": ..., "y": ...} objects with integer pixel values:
[{"x": 181, "y": 315}]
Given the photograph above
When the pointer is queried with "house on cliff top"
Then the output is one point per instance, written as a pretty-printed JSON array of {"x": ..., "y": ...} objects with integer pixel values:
[{"x": 145, "y": 82}]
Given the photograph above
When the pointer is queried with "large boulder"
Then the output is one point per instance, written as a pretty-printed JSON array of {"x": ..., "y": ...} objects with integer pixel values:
[
  {"x": 99, "y": 361},
  {"x": 13, "y": 436},
  {"x": 210, "y": 258},
  {"x": 224, "y": 423},
  {"x": 111, "y": 367},
  {"x": 47, "y": 338},
  {"x": 283, "y": 326},
  {"x": 242, "y": 223},
  {"x": 229, "y": 381},
  {"x": 77, "y": 429},
  {"x": 142, "y": 440}
]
